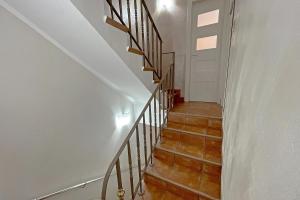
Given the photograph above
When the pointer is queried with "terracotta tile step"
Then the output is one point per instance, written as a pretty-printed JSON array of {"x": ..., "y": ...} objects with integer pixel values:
[
  {"x": 194, "y": 129},
  {"x": 199, "y": 108},
  {"x": 198, "y": 120},
  {"x": 174, "y": 158},
  {"x": 183, "y": 181},
  {"x": 177, "y": 133},
  {"x": 199, "y": 147},
  {"x": 153, "y": 192}
]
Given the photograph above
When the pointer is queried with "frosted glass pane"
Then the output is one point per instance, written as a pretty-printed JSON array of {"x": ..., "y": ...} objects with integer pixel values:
[
  {"x": 208, "y": 18},
  {"x": 207, "y": 43}
]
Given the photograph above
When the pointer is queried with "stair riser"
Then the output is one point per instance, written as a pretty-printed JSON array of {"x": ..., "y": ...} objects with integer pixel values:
[
  {"x": 187, "y": 137},
  {"x": 205, "y": 142},
  {"x": 170, "y": 187},
  {"x": 195, "y": 120},
  {"x": 173, "y": 188},
  {"x": 178, "y": 159}
]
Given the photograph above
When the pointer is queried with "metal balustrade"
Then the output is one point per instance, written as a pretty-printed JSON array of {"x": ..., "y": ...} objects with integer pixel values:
[
  {"x": 143, "y": 34},
  {"x": 159, "y": 105}
]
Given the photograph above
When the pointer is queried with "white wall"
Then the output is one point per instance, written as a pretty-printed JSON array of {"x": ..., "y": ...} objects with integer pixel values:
[
  {"x": 172, "y": 27},
  {"x": 57, "y": 120},
  {"x": 261, "y": 145}
]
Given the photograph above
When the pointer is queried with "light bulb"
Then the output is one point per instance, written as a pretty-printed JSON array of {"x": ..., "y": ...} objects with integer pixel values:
[{"x": 165, "y": 5}]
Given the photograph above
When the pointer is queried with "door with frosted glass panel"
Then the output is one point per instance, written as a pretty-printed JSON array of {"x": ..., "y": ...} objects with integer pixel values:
[{"x": 205, "y": 52}]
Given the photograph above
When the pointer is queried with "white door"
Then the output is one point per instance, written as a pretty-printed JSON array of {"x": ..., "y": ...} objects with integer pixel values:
[{"x": 205, "y": 52}]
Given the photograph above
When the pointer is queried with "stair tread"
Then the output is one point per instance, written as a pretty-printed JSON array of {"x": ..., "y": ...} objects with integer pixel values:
[
  {"x": 156, "y": 81},
  {"x": 207, "y": 149},
  {"x": 116, "y": 24},
  {"x": 186, "y": 155},
  {"x": 135, "y": 51},
  {"x": 151, "y": 69},
  {"x": 193, "y": 114},
  {"x": 199, "y": 108},
  {"x": 198, "y": 182},
  {"x": 195, "y": 129},
  {"x": 152, "y": 192}
]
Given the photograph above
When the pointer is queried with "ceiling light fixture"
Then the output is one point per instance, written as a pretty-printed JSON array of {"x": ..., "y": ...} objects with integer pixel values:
[{"x": 165, "y": 5}]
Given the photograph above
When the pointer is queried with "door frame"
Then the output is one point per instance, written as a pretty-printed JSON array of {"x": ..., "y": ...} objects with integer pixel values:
[{"x": 225, "y": 13}]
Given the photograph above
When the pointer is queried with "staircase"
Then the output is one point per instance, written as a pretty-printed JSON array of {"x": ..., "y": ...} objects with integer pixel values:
[
  {"x": 177, "y": 154},
  {"x": 133, "y": 18},
  {"x": 187, "y": 161}
]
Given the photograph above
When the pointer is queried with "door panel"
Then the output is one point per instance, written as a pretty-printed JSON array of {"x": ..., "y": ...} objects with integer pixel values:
[{"x": 205, "y": 63}]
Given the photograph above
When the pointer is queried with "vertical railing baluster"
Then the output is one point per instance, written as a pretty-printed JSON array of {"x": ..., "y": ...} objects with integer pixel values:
[
  {"x": 136, "y": 21},
  {"x": 139, "y": 159},
  {"x": 152, "y": 45},
  {"x": 159, "y": 109},
  {"x": 167, "y": 94},
  {"x": 157, "y": 62},
  {"x": 130, "y": 170},
  {"x": 173, "y": 75},
  {"x": 121, "y": 191},
  {"x": 145, "y": 140},
  {"x": 155, "y": 116},
  {"x": 148, "y": 43},
  {"x": 163, "y": 99},
  {"x": 129, "y": 21},
  {"x": 161, "y": 59},
  {"x": 121, "y": 9},
  {"x": 169, "y": 89},
  {"x": 111, "y": 9},
  {"x": 143, "y": 32},
  {"x": 151, "y": 137},
  {"x": 172, "y": 85}
]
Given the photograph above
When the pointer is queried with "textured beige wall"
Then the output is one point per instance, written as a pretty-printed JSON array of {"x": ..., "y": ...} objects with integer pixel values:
[{"x": 262, "y": 113}]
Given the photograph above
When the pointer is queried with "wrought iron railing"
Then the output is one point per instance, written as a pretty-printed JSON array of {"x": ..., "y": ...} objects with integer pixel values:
[
  {"x": 143, "y": 33},
  {"x": 144, "y": 136}
]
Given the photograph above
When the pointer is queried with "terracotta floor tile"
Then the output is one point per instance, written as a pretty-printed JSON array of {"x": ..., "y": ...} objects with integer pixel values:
[
  {"x": 200, "y": 181},
  {"x": 175, "y": 125},
  {"x": 170, "y": 166},
  {"x": 151, "y": 193},
  {"x": 169, "y": 144},
  {"x": 186, "y": 194},
  {"x": 193, "y": 164},
  {"x": 196, "y": 129},
  {"x": 186, "y": 176},
  {"x": 214, "y": 132},
  {"x": 170, "y": 134},
  {"x": 170, "y": 196},
  {"x": 196, "y": 121},
  {"x": 191, "y": 139},
  {"x": 199, "y": 108},
  {"x": 162, "y": 169},
  {"x": 210, "y": 186},
  {"x": 164, "y": 156},
  {"x": 192, "y": 150},
  {"x": 176, "y": 118}
]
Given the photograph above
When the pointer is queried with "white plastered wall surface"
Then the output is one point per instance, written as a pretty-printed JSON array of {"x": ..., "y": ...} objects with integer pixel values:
[
  {"x": 57, "y": 120},
  {"x": 261, "y": 144},
  {"x": 171, "y": 23}
]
